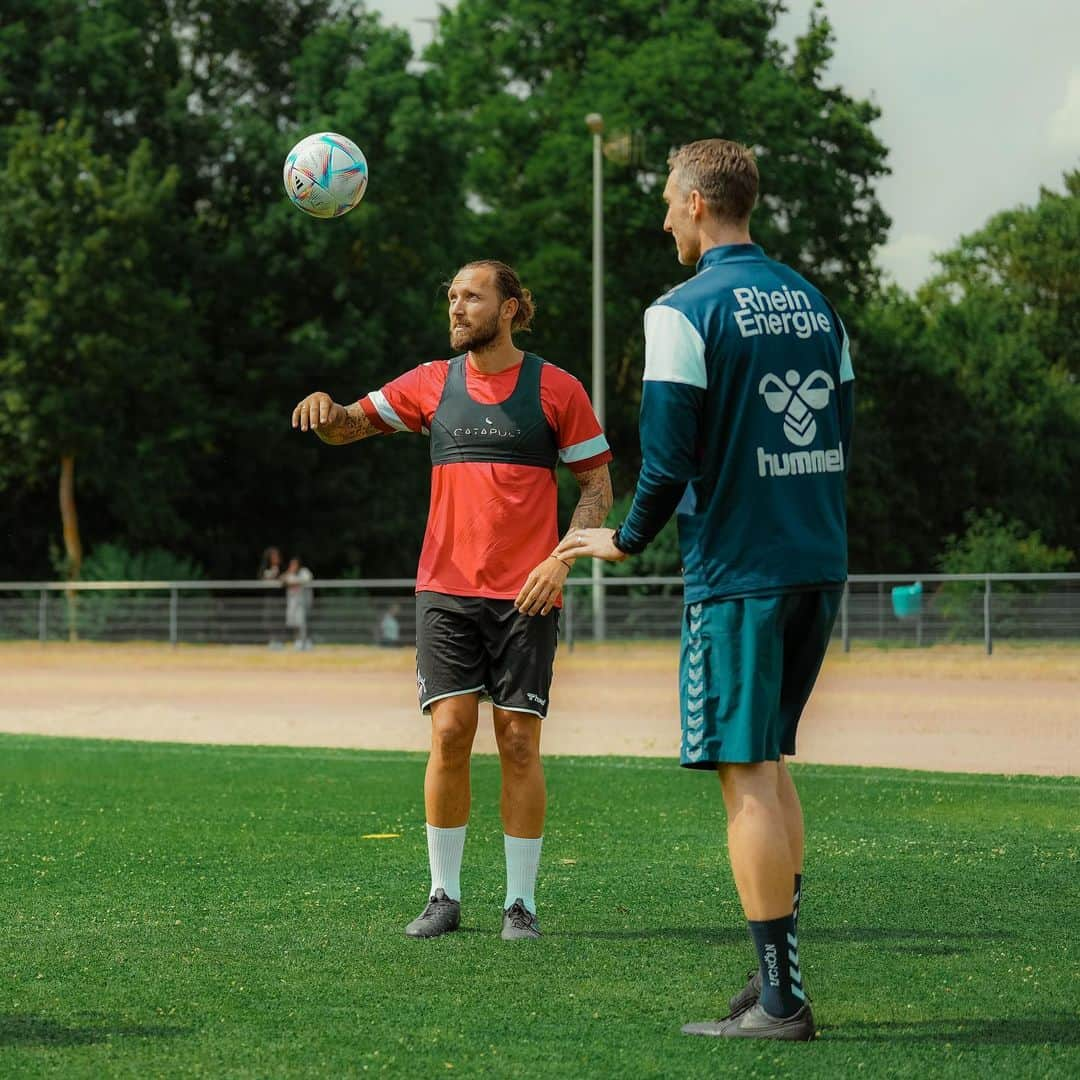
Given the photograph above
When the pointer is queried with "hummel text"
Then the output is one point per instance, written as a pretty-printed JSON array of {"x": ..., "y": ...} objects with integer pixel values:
[{"x": 800, "y": 462}]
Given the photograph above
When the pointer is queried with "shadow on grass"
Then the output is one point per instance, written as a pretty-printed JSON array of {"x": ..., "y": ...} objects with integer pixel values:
[
  {"x": 1061, "y": 1029},
  {"x": 40, "y": 1031},
  {"x": 918, "y": 942}
]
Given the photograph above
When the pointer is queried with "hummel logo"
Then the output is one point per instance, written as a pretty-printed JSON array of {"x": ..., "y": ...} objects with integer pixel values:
[
  {"x": 539, "y": 700},
  {"x": 796, "y": 401},
  {"x": 421, "y": 683}
]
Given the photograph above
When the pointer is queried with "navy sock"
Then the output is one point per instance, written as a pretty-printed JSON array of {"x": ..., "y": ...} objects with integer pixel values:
[
  {"x": 778, "y": 954},
  {"x": 795, "y": 900}
]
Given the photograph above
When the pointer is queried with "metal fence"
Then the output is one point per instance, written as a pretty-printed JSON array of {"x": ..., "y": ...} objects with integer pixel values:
[{"x": 875, "y": 609}]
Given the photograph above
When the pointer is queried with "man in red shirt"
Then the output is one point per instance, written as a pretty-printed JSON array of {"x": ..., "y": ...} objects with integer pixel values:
[{"x": 488, "y": 588}]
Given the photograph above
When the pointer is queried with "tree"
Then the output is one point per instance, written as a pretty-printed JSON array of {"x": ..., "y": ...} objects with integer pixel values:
[
  {"x": 273, "y": 303},
  {"x": 1003, "y": 315},
  {"x": 517, "y": 78},
  {"x": 86, "y": 329}
]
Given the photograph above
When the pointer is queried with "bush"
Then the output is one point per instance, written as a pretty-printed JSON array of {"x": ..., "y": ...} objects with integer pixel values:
[{"x": 992, "y": 544}]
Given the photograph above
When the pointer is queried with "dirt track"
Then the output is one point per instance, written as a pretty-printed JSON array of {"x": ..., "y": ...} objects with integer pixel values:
[{"x": 944, "y": 708}]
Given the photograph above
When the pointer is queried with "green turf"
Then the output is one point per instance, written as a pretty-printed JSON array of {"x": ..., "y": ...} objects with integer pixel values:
[{"x": 169, "y": 910}]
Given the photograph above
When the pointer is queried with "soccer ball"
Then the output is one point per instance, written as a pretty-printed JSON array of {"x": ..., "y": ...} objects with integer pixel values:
[{"x": 325, "y": 175}]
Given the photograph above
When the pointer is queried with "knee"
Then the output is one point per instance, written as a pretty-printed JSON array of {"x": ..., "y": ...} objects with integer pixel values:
[
  {"x": 748, "y": 788},
  {"x": 519, "y": 748},
  {"x": 451, "y": 739}
]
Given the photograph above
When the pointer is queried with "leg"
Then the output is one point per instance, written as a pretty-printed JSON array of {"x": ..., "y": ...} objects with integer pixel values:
[
  {"x": 446, "y": 803},
  {"x": 524, "y": 792},
  {"x": 764, "y": 871},
  {"x": 758, "y": 846},
  {"x": 791, "y": 809},
  {"x": 524, "y": 802},
  {"x": 447, "y": 789}
]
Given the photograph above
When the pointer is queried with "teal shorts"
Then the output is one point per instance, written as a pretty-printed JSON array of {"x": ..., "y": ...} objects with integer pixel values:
[{"x": 746, "y": 671}]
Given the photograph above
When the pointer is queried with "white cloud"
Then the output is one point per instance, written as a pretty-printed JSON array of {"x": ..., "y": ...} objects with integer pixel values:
[
  {"x": 906, "y": 258},
  {"x": 1064, "y": 126}
]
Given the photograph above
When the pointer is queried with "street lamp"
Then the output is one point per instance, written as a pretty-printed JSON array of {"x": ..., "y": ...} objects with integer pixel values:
[{"x": 595, "y": 123}]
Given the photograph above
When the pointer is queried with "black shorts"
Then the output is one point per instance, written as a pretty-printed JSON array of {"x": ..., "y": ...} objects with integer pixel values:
[{"x": 474, "y": 645}]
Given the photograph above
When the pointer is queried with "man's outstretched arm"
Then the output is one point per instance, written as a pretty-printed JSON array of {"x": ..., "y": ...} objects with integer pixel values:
[{"x": 333, "y": 423}]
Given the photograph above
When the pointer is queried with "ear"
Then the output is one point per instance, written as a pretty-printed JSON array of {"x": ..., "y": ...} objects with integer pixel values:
[
  {"x": 509, "y": 308},
  {"x": 695, "y": 205}
]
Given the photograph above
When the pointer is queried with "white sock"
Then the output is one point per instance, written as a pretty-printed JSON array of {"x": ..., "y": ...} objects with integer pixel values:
[
  {"x": 522, "y": 863},
  {"x": 445, "y": 847}
]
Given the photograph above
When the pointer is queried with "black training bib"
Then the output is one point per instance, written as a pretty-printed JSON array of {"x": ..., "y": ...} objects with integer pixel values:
[{"x": 515, "y": 431}]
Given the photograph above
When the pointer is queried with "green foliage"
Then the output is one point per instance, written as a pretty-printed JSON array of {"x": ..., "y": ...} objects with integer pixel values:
[
  {"x": 517, "y": 79},
  {"x": 112, "y": 562},
  {"x": 88, "y": 326},
  {"x": 967, "y": 395},
  {"x": 215, "y": 910},
  {"x": 1003, "y": 316},
  {"x": 993, "y": 545},
  {"x": 164, "y": 307}
]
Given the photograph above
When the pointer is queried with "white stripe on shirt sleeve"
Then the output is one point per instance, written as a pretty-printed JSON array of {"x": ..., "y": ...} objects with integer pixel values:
[
  {"x": 674, "y": 350},
  {"x": 847, "y": 372},
  {"x": 386, "y": 411},
  {"x": 582, "y": 450}
]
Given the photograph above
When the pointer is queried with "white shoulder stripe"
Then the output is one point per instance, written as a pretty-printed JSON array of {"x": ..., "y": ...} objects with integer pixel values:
[
  {"x": 674, "y": 350},
  {"x": 847, "y": 371},
  {"x": 386, "y": 411},
  {"x": 582, "y": 450}
]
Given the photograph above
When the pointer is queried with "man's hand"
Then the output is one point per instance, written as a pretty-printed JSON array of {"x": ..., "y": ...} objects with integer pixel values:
[
  {"x": 594, "y": 543},
  {"x": 542, "y": 587},
  {"x": 317, "y": 411}
]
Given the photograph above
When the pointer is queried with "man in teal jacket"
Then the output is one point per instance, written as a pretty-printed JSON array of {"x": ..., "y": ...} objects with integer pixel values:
[{"x": 746, "y": 417}]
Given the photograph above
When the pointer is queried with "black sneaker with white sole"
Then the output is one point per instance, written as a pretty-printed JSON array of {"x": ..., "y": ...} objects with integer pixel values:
[
  {"x": 756, "y": 1023},
  {"x": 519, "y": 922},
  {"x": 439, "y": 917}
]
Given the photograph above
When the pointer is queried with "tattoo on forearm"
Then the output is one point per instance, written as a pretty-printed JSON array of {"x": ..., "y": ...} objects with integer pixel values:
[
  {"x": 595, "y": 501},
  {"x": 355, "y": 426}
]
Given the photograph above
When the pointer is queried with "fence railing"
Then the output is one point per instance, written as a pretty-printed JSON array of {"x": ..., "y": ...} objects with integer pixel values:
[{"x": 889, "y": 608}]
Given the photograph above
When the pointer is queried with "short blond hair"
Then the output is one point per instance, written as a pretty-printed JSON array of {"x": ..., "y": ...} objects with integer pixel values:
[{"x": 724, "y": 172}]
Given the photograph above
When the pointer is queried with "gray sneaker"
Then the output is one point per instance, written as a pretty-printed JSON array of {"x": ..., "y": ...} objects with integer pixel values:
[
  {"x": 439, "y": 917},
  {"x": 519, "y": 922},
  {"x": 747, "y": 996},
  {"x": 756, "y": 1023}
]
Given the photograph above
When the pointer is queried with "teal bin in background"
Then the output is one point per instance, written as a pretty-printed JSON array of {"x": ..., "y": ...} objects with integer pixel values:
[{"x": 907, "y": 600}]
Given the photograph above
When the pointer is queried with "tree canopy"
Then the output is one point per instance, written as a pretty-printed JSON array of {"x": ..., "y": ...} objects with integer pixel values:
[{"x": 166, "y": 306}]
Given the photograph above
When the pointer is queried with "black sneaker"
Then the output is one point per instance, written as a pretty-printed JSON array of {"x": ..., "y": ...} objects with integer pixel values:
[
  {"x": 519, "y": 922},
  {"x": 756, "y": 1023},
  {"x": 747, "y": 996},
  {"x": 439, "y": 917}
]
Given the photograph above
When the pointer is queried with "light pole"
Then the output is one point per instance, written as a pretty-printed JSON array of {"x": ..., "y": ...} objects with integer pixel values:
[{"x": 595, "y": 123}]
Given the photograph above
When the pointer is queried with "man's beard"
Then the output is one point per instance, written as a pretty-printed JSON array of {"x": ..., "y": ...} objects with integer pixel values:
[{"x": 475, "y": 338}]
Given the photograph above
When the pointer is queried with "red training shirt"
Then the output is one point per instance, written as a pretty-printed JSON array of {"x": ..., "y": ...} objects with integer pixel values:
[{"x": 490, "y": 524}]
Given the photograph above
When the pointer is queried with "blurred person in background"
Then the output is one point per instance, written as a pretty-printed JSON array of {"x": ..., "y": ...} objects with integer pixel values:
[
  {"x": 390, "y": 628},
  {"x": 746, "y": 419},
  {"x": 488, "y": 587},
  {"x": 298, "y": 600},
  {"x": 270, "y": 569}
]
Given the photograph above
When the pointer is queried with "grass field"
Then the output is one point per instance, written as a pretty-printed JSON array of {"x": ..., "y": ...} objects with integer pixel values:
[{"x": 182, "y": 910}]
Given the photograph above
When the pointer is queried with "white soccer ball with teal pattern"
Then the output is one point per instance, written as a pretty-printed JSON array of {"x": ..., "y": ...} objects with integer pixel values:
[{"x": 325, "y": 174}]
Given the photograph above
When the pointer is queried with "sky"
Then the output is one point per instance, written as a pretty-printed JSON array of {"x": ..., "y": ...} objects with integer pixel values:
[{"x": 980, "y": 105}]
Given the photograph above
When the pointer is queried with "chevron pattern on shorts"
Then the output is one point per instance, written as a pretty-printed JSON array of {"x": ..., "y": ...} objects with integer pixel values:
[{"x": 694, "y": 725}]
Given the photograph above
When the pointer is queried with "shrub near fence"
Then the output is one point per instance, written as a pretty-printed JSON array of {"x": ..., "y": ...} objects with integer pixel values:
[{"x": 965, "y": 608}]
